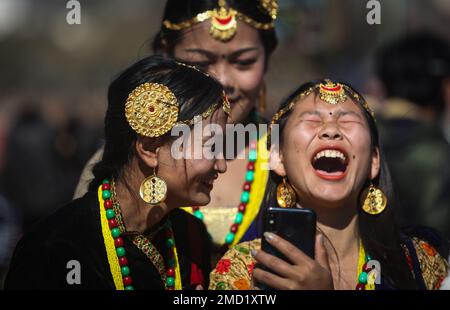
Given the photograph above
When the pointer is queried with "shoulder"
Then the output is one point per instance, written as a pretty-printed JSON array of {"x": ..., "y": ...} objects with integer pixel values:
[
  {"x": 41, "y": 256},
  {"x": 68, "y": 220},
  {"x": 430, "y": 253},
  {"x": 68, "y": 227},
  {"x": 234, "y": 270}
]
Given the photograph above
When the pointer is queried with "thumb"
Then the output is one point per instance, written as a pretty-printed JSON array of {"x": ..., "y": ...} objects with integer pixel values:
[{"x": 321, "y": 252}]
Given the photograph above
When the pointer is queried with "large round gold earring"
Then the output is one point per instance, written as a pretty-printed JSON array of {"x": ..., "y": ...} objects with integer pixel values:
[
  {"x": 153, "y": 189},
  {"x": 262, "y": 99},
  {"x": 286, "y": 197},
  {"x": 375, "y": 200}
]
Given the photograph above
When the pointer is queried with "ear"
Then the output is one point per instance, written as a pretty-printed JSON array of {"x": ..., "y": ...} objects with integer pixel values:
[
  {"x": 164, "y": 48},
  {"x": 147, "y": 151},
  {"x": 276, "y": 161},
  {"x": 376, "y": 165}
]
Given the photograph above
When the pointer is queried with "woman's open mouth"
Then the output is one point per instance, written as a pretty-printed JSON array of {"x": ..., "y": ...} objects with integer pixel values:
[{"x": 330, "y": 164}]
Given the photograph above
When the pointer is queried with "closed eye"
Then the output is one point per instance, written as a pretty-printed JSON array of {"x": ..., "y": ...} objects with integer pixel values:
[
  {"x": 311, "y": 119},
  {"x": 349, "y": 119},
  {"x": 245, "y": 63}
]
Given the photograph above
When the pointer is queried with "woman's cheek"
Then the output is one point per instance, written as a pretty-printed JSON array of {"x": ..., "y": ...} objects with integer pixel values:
[{"x": 250, "y": 81}]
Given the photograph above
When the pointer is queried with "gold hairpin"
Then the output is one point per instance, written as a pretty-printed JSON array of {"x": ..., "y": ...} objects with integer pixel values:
[{"x": 152, "y": 110}]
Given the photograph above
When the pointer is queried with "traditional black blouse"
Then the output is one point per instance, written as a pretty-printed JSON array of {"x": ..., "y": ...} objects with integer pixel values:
[{"x": 41, "y": 258}]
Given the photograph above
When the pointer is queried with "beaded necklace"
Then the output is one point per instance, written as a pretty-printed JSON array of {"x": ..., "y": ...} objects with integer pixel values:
[
  {"x": 113, "y": 229},
  {"x": 366, "y": 280},
  {"x": 245, "y": 196}
]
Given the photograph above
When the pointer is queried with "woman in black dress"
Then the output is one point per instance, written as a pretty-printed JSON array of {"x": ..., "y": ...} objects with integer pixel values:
[{"x": 126, "y": 232}]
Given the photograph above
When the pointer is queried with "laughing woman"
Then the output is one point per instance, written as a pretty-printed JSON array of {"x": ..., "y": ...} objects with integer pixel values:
[
  {"x": 329, "y": 160},
  {"x": 127, "y": 232}
]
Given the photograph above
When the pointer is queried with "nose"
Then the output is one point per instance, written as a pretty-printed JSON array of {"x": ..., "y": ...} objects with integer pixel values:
[
  {"x": 222, "y": 73},
  {"x": 330, "y": 131},
  {"x": 220, "y": 165}
]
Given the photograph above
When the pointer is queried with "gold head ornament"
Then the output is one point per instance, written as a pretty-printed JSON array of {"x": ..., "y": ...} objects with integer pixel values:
[
  {"x": 224, "y": 20},
  {"x": 152, "y": 110}
]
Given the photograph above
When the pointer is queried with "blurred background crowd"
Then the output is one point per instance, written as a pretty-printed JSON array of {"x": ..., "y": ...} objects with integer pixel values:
[{"x": 54, "y": 78}]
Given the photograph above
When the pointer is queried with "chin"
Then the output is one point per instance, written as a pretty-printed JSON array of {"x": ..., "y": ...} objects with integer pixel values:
[
  {"x": 201, "y": 199},
  {"x": 331, "y": 197}
]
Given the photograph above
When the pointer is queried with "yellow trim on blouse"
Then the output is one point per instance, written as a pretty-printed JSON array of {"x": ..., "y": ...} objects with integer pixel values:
[
  {"x": 108, "y": 240},
  {"x": 261, "y": 174},
  {"x": 258, "y": 189}
]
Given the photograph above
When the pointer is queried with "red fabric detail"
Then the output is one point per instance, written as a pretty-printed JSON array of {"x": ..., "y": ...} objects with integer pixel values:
[
  {"x": 197, "y": 276},
  {"x": 223, "y": 266}
]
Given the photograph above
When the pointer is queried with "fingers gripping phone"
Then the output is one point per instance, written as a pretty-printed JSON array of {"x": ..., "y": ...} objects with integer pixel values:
[{"x": 296, "y": 225}]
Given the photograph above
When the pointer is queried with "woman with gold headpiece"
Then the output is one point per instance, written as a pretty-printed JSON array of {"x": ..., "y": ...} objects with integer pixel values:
[
  {"x": 329, "y": 159},
  {"x": 127, "y": 232},
  {"x": 233, "y": 41}
]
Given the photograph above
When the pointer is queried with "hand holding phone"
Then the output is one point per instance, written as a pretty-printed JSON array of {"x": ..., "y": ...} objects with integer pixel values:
[{"x": 296, "y": 225}]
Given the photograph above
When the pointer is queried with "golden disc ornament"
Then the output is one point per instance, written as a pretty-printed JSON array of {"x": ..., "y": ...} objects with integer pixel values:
[
  {"x": 153, "y": 190},
  {"x": 223, "y": 23},
  {"x": 375, "y": 201},
  {"x": 286, "y": 197},
  {"x": 332, "y": 93},
  {"x": 151, "y": 109}
]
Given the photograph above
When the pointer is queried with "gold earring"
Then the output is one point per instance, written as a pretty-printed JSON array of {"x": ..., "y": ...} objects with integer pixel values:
[
  {"x": 375, "y": 200},
  {"x": 262, "y": 99},
  {"x": 153, "y": 189},
  {"x": 286, "y": 197}
]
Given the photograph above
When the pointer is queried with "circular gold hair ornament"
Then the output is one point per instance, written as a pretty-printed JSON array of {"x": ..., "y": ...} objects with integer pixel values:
[{"x": 151, "y": 109}]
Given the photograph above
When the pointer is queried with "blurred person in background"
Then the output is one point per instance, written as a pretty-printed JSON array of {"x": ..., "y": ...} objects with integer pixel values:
[
  {"x": 446, "y": 122},
  {"x": 412, "y": 71},
  {"x": 9, "y": 231},
  {"x": 9, "y": 228},
  {"x": 42, "y": 162}
]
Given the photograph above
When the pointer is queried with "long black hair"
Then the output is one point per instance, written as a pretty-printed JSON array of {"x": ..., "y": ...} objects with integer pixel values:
[
  {"x": 181, "y": 10},
  {"x": 380, "y": 234},
  {"x": 194, "y": 90}
]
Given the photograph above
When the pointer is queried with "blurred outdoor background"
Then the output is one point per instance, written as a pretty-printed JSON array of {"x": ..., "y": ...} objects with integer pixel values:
[{"x": 54, "y": 77}]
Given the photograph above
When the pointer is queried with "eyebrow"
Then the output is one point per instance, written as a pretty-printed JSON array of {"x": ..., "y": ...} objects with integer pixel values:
[
  {"x": 213, "y": 55},
  {"x": 310, "y": 113},
  {"x": 339, "y": 113},
  {"x": 343, "y": 113}
]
